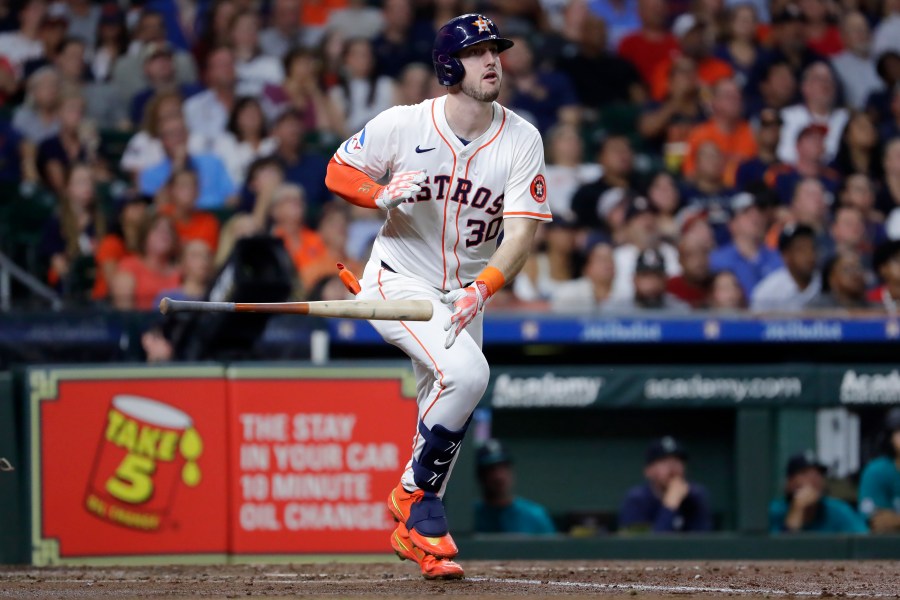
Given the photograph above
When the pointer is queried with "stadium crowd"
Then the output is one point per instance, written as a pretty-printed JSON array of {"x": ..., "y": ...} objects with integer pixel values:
[{"x": 701, "y": 154}]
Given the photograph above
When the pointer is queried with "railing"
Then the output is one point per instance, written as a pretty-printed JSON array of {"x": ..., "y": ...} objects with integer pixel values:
[{"x": 9, "y": 270}]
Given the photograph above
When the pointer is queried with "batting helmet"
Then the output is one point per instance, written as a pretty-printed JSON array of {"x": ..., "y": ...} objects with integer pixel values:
[{"x": 458, "y": 33}]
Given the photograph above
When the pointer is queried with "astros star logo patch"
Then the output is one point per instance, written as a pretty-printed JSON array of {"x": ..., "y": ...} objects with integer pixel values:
[
  {"x": 539, "y": 189},
  {"x": 483, "y": 24}
]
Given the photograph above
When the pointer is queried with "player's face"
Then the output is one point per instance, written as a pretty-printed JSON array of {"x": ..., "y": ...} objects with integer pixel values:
[{"x": 483, "y": 71}]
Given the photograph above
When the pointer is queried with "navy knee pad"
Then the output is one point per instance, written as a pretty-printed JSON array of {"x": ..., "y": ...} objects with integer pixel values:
[{"x": 436, "y": 458}]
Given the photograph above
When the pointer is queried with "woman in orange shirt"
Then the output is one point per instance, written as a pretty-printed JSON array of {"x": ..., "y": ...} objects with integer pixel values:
[
  {"x": 178, "y": 199},
  {"x": 120, "y": 242},
  {"x": 154, "y": 269}
]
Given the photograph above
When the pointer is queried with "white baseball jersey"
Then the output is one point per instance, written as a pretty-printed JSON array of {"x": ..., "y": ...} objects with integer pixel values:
[{"x": 446, "y": 234}]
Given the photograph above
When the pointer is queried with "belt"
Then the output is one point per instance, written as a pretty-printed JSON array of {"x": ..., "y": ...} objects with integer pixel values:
[{"x": 387, "y": 267}]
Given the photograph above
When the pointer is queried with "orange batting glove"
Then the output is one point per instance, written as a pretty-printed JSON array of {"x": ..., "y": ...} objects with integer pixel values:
[
  {"x": 403, "y": 186},
  {"x": 469, "y": 301}
]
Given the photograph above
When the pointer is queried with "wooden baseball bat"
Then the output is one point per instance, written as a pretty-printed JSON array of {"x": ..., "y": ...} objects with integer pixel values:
[{"x": 379, "y": 310}]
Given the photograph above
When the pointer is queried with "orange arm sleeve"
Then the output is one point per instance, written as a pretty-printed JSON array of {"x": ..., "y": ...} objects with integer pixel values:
[{"x": 352, "y": 185}]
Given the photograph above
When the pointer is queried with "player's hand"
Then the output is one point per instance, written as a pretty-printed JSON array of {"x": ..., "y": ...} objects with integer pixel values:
[
  {"x": 675, "y": 493},
  {"x": 467, "y": 303},
  {"x": 806, "y": 496},
  {"x": 402, "y": 186}
]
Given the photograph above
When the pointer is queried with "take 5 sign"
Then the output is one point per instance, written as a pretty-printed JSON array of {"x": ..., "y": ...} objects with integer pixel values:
[{"x": 199, "y": 461}]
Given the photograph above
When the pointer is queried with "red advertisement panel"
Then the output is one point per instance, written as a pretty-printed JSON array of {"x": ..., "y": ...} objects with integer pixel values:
[
  {"x": 314, "y": 461},
  {"x": 134, "y": 467}
]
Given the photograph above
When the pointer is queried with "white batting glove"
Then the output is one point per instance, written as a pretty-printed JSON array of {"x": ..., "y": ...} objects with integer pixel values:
[
  {"x": 402, "y": 187},
  {"x": 467, "y": 303}
]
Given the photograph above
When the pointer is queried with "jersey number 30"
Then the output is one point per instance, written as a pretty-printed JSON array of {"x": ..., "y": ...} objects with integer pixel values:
[{"x": 482, "y": 232}]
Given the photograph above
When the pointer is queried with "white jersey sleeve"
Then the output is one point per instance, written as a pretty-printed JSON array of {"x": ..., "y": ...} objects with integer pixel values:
[
  {"x": 526, "y": 189},
  {"x": 373, "y": 148}
]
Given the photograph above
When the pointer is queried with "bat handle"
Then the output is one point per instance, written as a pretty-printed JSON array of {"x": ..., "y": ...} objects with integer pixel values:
[{"x": 167, "y": 305}]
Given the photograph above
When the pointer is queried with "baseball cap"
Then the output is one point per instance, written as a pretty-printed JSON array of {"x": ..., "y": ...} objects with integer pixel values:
[
  {"x": 789, "y": 14},
  {"x": 609, "y": 200},
  {"x": 639, "y": 205},
  {"x": 684, "y": 24},
  {"x": 664, "y": 447},
  {"x": 802, "y": 461},
  {"x": 770, "y": 116},
  {"x": 154, "y": 49},
  {"x": 491, "y": 453},
  {"x": 793, "y": 231},
  {"x": 740, "y": 202},
  {"x": 812, "y": 128},
  {"x": 650, "y": 261}
]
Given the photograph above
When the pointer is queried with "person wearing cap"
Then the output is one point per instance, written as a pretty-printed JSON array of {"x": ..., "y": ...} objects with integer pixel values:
[
  {"x": 855, "y": 65},
  {"x": 594, "y": 203},
  {"x": 810, "y": 162},
  {"x": 159, "y": 73},
  {"x": 818, "y": 91},
  {"x": 805, "y": 505},
  {"x": 886, "y": 264},
  {"x": 666, "y": 501},
  {"x": 793, "y": 286},
  {"x": 746, "y": 255},
  {"x": 652, "y": 43},
  {"x": 649, "y": 280},
  {"x": 640, "y": 232},
  {"x": 694, "y": 43},
  {"x": 500, "y": 510},
  {"x": 589, "y": 292},
  {"x": 879, "y": 484},
  {"x": 767, "y": 132}
]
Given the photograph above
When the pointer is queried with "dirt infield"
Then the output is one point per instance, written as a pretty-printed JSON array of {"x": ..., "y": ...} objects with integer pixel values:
[{"x": 483, "y": 580}]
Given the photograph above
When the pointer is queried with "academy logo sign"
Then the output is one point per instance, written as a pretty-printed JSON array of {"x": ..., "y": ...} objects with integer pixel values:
[
  {"x": 865, "y": 388},
  {"x": 548, "y": 390},
  {"x": 732, "y": 388}
]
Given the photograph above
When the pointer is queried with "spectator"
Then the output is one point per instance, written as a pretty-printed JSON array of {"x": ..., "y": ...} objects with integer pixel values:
[
  {"x": 145, "y": 149},
  {"x": 708, "y": 191},
  {"x": 399, "y": 43},
  {"x": 890, "y": 126},
  {"x": 790, "y": 288},
  {"x": 788, "y": 44},
  {"x": 746, "y": 257},
  {"x": 777, "y": 89},
  {"x": 264, "y": 176},
  {"x": 806, "y": 506},
  {"x": 283, "y": 33},
  {"x": 886, "y": 263},
  {"x": 77, "y": 141},
  {"x": 178, "y": 199},
  {"x": 593, "y": 289},
  {"x": 121, "y": 241},
  {"x": 159, "y": 72},
  {"x": 500, "y": 510},
  {"x": 207, "y": 112},
  {"x": 414, "y": 84},
  {"x": 665, "y": 196},
  {"x": 809, "y": 163},
  {"x": 300, "y": 167},
  {"x": 753, "y": 170},
  {"x": 238, "y": 227},
  {"x": 879, "y": 103},
  {"x": 52, "y": 32},
  {"x": 652, "y": 44},
  {"x": 304, "y": 245},
  {"x": 153, "y": 269},
  {"x": 621, "y": 18},
  {"x": 111, "y": 42},
  {"x": 196, "y": 273},
  {"x": 726, "y": 128},
  {"x": 726, "y": 293},
  {"x": 253, "y": 68},
  {"x": 356, "y": 20},
  {"x": 859, "y": 192},
  {"x": 694, "y": 284},
  {"x": 887, "y": 33},
  {"x": 24, "y": 44},
  {"x": 855, "y": 66},
  {"x": 566, "y": 171},
  {"x": 809, "y": 206},
  {"x": 216, "y": 187},
  {"x": 84, "y": 18},
  {"x": 641, "y": 231},
  {"x": 551, "y": 264},
  {"x": 848, "y": 234},
  {"x": 818, "y": 106},
  {"x": 860, "y": 149},
  {"x": 692, "y": 36},
  {"x": 600, "y": 205},
  {"x": 72, "y": 234},
  {"x": 843, "y": 283},
  {"x": 666, "y": 501},
  {"x": 879, "y": 485},
  {"x": 741, "y": 49},
  {"x": 103, "y": 105},
  {"x": 38, "y": 117},
  {"x": 888, "y": 197},
  {"x": 361, "y": 93},
  {"x": 820, "y": 32},
  {"x": 128, "y": 74},
  {"x": 648, "y": 287},
  {"x": 245, "y": 139},
  {"x": 334, "y": 230},
  {"x": 301, "y": 91},
  {"x": 665, "y": 125},
  {"x": 599, "y": 76}
]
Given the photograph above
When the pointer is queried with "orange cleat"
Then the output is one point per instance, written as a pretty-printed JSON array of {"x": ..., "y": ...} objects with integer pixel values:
[
  {"x": 429, "y": 524},
  {"x": 433, "y": 568}
]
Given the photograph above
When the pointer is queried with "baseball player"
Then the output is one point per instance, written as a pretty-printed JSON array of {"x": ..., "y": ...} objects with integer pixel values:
[{"x": 458, "y": 171}]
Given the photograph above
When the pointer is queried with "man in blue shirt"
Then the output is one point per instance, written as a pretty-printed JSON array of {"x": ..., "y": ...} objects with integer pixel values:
[
  {"x": 499, "y": 510},
  {"x": 746, "y": 256},
  {"x": 879, "y": 486},
  {"x": 666, "y": 501},
  {"x": 805, "y": 507}
]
